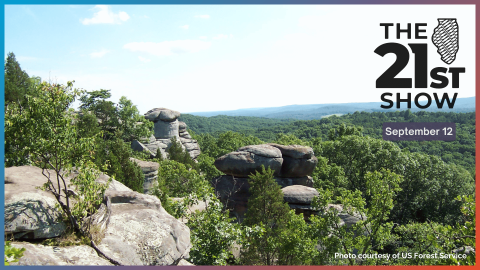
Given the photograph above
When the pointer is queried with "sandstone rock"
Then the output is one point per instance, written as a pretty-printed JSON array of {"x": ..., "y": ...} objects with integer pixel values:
[
  {"x": 242, "y": 164},
  {"x": 191, "y": 146},
  {"x": 298, "y": 160},
  {"x": 183, "y": 262},
  {"x": 30, "y": 213},
  {"x": 146, "y": 166},
  {"x": 140, "y": 147},
  {"x": 141, "y": 232},
  {"x": 263, "y": 150},
  {"x": 48, "y": 255},
  {"x": 298, "y": 194},
  {"x": 150, "y": 171},
  {"x": 33, "y": 216},
  {"x": 165, "y": 130},
  {"x": 346, "y": 219},
  {"x": 293, "y": 167},
  {"x": 290, "y": 181},
  {"x": 161, "y": 114},
  {"x": 294, "y": 151},
  {"x": 185, "y": 135},
  {"x": 182, "y": 127}
]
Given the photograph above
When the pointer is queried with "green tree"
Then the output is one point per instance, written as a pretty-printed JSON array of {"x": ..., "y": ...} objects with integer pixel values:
[
  {"x": 105, "y": 111},
  {"x": 372, "y": 233},
  {"x": 178, "y": 153},
  {"x": 42, "y": 132},
  {"x": 17, "y": 82},
  {"x": 430, "y": 185},
  {"x": 267, "y": 210},
  {"x": 116, "y": 153},
  {"x": 213, "y": 234},
  {"x": 132, "y": 124}
]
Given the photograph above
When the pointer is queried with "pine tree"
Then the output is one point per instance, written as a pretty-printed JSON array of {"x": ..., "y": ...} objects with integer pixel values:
[
  {"x": 266, "y": 209},
  {"x": 17, "y": 81}
]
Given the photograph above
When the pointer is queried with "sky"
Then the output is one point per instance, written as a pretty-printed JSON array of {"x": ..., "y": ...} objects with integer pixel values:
[{"x": 196, "y": 58}]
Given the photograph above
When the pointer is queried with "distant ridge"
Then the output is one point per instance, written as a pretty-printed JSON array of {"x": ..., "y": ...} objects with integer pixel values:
[{"x": 317, "y": 111}]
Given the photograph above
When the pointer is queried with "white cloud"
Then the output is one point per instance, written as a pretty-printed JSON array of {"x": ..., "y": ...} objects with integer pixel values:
[
  {"x": 105, "y": 15},
  {"x": 166, "y": 48},
  {"x": 99, "y": 54},
  {"x": 202, "y": 16},
  {"x": 184, "y": 27},
  {"x": 143, "y": 59}
]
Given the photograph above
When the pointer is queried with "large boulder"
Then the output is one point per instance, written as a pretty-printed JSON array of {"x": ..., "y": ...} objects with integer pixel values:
[
  {"x": 298, "y": 160},
  {"x": 161, "y": 114},
  {"x": 298, "y": 194},
  {"x": 30, "y": 213},
  {"x": 165, "y": 130},
  {"x": 294, "y": 151},
  {"x": 36, "y": 254},
  {"x": 141, "y": 232},
  {"x": 249, "y": 159},
  {"x": 300, "y": 199},
  {"x": 298, "y": 167}
]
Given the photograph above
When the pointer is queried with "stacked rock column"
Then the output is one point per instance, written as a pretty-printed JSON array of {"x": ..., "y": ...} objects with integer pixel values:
[{"x": 292, "y": 166}]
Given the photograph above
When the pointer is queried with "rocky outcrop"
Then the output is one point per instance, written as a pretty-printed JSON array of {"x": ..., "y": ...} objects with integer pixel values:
[
  {"x": 141, "y": 232},
  {"x": 298, "y": 160},
  {"x": 136, "y": 229},
  {"x": 249, "y": 159},
  {"x": 292, "y": 165},
  {"x": 166, "y": 126},
  {"x": 30, "y": 213},
  {"x": 150, "y": 171},
  {"x": 300, "y": 198},
  {"x": 36, "y": 254}
]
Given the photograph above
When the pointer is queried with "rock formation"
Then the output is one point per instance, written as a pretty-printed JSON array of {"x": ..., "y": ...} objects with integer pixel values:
[
  {"x": 150, "y": 170},
  {"x": 291, "y": 164},
  {"x": 137, "y": 230},
  {"x": 166, "y": 126},
  {"x": 300, "y": 198}
]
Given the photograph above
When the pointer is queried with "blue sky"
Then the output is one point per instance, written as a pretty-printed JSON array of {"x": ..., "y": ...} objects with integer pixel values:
[{"x": 209, "y": 58}]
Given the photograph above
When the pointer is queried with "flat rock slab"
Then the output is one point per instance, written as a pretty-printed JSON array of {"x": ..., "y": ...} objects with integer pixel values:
[
  {"x": 298, "y": 194},
  {"x": 49, "y": 255},
  {"x": 161, "y": 114}
]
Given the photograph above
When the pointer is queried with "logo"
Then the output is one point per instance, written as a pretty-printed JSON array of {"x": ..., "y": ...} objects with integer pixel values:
[{"x": 445, "y": 38}]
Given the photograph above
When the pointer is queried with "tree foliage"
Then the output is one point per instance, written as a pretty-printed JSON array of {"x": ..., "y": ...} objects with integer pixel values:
[
  {"x": 41, "y": 133},
  {"x": 17, "y": 82},
  {"x": 281, "y": 236}
]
